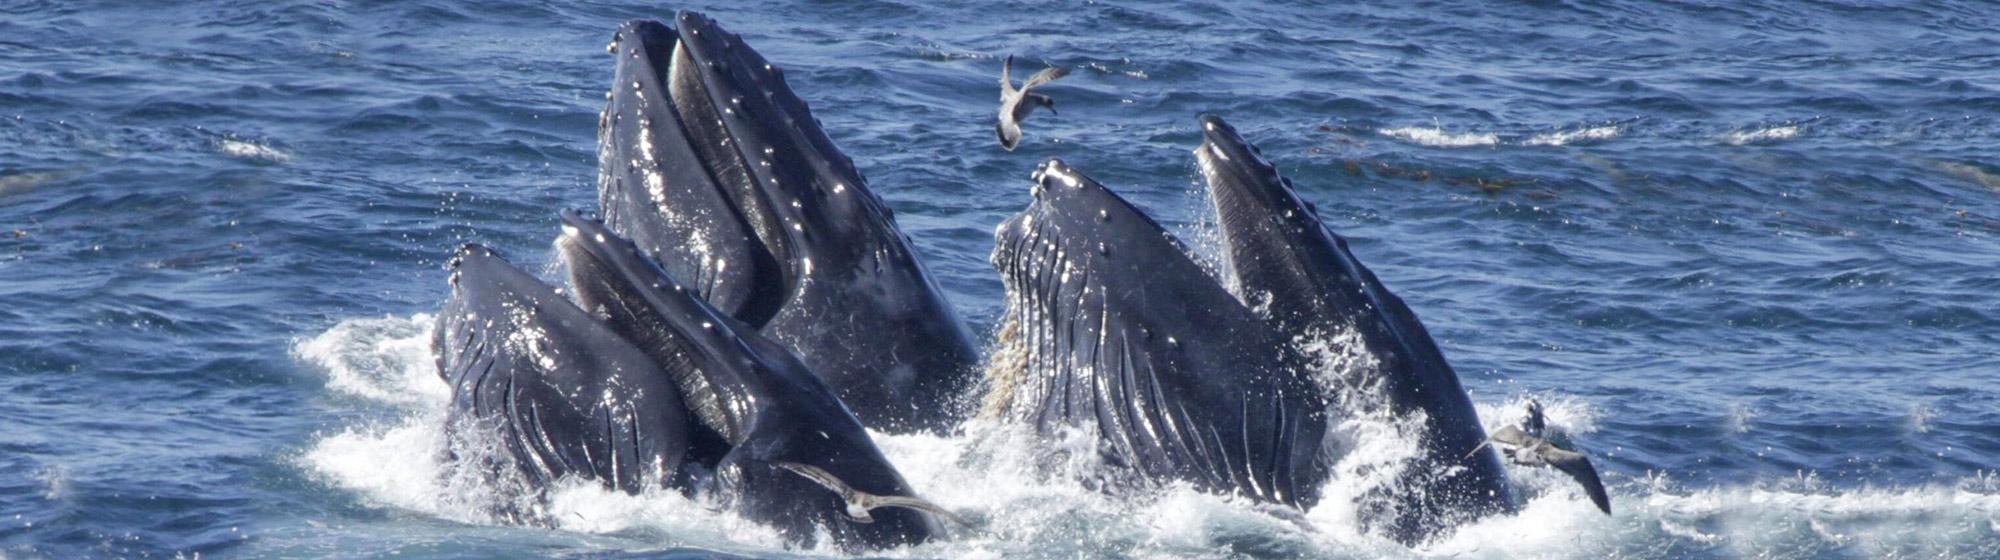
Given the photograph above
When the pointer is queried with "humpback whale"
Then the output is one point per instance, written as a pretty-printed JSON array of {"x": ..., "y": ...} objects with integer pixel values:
[
  {"x": 654, "y": 388},
  {"x": 767, "y": 413},
  {"x": 719, "y": 172},
  {"x": 1121, "y": 334},
  {"x": 1183, "y": 376},
  {"x": 564, "y": 395},
  {"x": 1281, "y": 255}
]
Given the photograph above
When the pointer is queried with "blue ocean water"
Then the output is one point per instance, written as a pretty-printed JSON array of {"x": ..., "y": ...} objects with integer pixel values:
[{"x": 1748, "y": 252}]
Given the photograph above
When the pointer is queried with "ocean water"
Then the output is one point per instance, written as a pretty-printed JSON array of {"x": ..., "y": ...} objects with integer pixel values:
[{"x": 1746, "y": 252}]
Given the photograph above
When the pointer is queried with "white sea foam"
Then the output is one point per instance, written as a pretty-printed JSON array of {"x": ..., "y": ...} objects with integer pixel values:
[
  {"x": 1566, "y": 137},
  {"x": 56, "y": 484},
  {"x": 253, "y": 150},
  {"x": 385, "y": 359},
  {"x": 1573, "y": 415},
  {"x": 1437, "y": 137},
  {"x": 1762, "y": 135},
  {"x": 1020, "y": 508}
]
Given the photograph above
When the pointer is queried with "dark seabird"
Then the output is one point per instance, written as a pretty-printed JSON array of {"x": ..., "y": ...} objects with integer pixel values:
[
  {"x": 1013, "y": 109},
  {"x": 859, "y": 503},
  {"x": 1530, "y": 445}
]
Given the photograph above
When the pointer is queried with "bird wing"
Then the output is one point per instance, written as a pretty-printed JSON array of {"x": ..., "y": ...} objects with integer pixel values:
[
  {"x": 1045, "y": 76},
  {"x": 1577, "y": 466},
  {"x": 920, "y": 504},
  {"x": 820, "y": 476},
  {"x": 1006, "y": 77},
  {"x": 1512, "y": 435}
]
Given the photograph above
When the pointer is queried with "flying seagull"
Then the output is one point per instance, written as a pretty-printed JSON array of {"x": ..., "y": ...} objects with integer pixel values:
[
  {"x": 1527, "y": 445},
  {"x": 859, "y": 503},
  {"x": 1016, "y": 104}
]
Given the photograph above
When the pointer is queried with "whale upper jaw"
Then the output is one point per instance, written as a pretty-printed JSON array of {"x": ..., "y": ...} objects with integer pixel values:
[{"x": 718, "y": 171}]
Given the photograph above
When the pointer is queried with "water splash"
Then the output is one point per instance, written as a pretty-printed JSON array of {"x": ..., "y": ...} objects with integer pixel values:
[
  {"x": 1022, "y": 504},
  {"x": 1566, "y": 137},
  {"x": 252, "y": 150},
  {"x": 1762, "y": 135}
]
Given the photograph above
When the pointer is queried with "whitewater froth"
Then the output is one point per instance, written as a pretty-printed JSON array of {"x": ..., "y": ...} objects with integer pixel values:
[{"x": 1020, "y": 507}]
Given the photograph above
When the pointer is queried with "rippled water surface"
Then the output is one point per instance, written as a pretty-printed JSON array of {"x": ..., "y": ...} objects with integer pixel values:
[{"x": 1747, "y": 253}]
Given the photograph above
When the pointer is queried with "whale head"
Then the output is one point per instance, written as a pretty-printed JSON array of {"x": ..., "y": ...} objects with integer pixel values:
[
  {"x": 717, "y": 171},
  {"x": 764, "y": 405},
  {"x": 1121, "y": 332}
]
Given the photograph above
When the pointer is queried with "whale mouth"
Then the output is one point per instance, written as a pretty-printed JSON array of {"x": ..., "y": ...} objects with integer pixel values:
[
  {"x": 718, "y": 172},
  {"x": 1277, "y": 250},
  {"x": 751, "y": 398},
  {"x": 712, "y": 166},
  {"x": 696, "y": 346},
  {"x": 1119, "y": 328}
]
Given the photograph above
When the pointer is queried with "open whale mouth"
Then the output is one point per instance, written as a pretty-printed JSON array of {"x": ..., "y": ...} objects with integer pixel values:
[
  {"x": 695, "y": 345},
  {"x": 714, "y": 167},
  {"x": 1119, "y": 328},
  {"x": 718, "y": 172}
]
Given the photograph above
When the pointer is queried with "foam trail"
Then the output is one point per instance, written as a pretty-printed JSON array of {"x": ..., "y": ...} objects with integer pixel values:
[
  {"x": 252, "y": 150},
  {"x": 1566, "y": 137},
  {"x": 1763, "y": 135},
  {"x": 1437, "y": 137},
  {"x": 1020, "y": 507}
]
